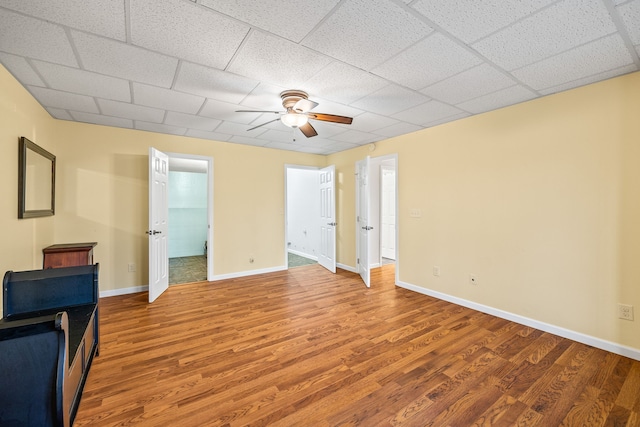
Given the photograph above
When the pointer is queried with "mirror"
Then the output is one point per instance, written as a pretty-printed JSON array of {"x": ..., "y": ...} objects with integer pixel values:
[{"x": 36, "y": 180}]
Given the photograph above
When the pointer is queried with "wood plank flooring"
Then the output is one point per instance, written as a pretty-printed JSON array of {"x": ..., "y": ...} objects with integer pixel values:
[{"x": 305, "y": 347}]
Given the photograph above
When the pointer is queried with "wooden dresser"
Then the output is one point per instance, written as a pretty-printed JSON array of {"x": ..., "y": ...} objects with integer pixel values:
[{"x": 68, "y": 255}]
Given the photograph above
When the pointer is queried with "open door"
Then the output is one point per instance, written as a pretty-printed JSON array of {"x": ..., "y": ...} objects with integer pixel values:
[
  {"x": 362, "y": 221},
  {"x": 327, "y": 253},
  {"x": 158, "y": 223}
]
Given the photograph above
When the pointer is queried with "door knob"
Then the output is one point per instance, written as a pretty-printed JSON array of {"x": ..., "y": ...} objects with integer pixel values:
[
  {"x": 332, "y": 223},
  {"x": 152, "y": 232}
]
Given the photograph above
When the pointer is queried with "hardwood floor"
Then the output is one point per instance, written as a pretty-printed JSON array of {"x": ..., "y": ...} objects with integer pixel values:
[{"x": 305, "y": 347}]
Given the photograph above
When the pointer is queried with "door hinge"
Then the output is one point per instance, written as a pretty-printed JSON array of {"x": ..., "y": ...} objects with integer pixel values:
[{"x": 358, "y": 261}]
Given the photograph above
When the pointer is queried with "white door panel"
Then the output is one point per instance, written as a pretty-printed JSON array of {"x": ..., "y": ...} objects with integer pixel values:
[
  {"x": 327, "y": 253},
  {"x": 158, "y": 223},
  {"x": 362, "y": 218}
]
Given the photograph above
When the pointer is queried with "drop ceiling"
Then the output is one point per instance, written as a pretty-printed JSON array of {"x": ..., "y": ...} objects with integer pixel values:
[{"x": 184, "y": 67}]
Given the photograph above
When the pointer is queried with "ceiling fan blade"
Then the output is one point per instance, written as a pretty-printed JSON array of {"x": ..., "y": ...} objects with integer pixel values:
[
  {"x": 305, "y": 105},
  {"x": 331, "y": 118},
  {"x": 265, "y": 123},
  {"x": 308, "y": 130},
  {"x": 257, "y": 111}
]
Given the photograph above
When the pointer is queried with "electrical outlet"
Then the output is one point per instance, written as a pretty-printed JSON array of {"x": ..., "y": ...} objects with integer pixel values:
[
  {"x": 131, "y": 267},
  {"x": 625, "y": 311},
  {"x": 473, "y": 280},
  {"x": 436, "y": 270}
]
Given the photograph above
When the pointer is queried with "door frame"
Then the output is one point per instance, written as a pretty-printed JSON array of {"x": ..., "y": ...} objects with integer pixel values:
[
  {"x": 288, "y": 166},
  {"x": 375, "y": 161},
  {"x": 210, "y": 230}
]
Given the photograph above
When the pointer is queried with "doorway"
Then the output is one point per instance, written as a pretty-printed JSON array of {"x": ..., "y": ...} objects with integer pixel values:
[
  {"x": 310, "y": 226},
  {"x": 376, "y": 214},
  {"x": 190, "y": 216}
]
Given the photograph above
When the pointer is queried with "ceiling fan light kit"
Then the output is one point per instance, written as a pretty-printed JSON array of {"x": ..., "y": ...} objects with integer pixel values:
[
  {"x": 297, "y": 107},
  {"x": 294, "y": 120}
]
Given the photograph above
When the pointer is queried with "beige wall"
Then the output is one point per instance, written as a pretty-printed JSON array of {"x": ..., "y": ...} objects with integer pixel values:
[
  {"x": 102, "y": 193},
  {"x": 21, "y": 115},
  {"x": 539, "y": 200}
]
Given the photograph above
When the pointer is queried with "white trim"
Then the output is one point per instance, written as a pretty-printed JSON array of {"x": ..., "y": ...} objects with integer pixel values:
[
  {"x": 124, "y": 291},
  {"x": 613, "y": 347},
  {"x": 346, "y": 267},
  {"x": 303, "y": 254},
  {"x": 247, "y": 273}
]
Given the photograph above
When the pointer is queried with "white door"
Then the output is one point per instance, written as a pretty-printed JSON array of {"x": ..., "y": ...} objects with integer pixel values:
[
  {"x": 327, "y": 256},
  {"x": 362, "y": 220},
  {"x": 158, "y": 223},
  {"x": 388, "y": 212}
]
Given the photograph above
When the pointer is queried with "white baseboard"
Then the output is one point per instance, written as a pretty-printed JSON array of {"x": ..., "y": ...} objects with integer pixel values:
[
  {"x": 613, "y": 347},
  {"x": 346, "y": 267},
  {"x": 302, "y": 254},
  {"x": 123, "y": 291},
  {"x": 247, "y": 273}
]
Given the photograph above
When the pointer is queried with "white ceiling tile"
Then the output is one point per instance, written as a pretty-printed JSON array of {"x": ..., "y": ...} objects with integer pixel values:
[
  {"x": 202, "y": 134},
  {"x": 186, "y": 30},
  {"x": 369, "y": 122},
  {"x": 110, "y": 57},
  {"x": 226, "y": 111},
  {"x": 499, "y": 99},
  {"x": 104, "y": 17},
  {"x": 281, "y": 146},
  {"x": 342, "y": 146},
  {"x": 264, "y": 97},
  {"x": 190, "y": 121},
  {"x": 277, "y": 61},
  {"x": 563, "y": 26},
  {"x": 99, "y": 119},
  {"x": 591, "y": 79},
  {"x": 66, "y": 101},
  {"x": 401, "y": 128},
  {"x": 166, "y": 99},
  {"x": 593, "y": 58},
  {"x": 59, "y": 113},
  {"x": 427, "y": 113},
  {"x": 21, "y": 69},
  {"x": 365, "y": 33},
  {"x": 431, "y": 60},
  {"x": 343, "y": 83},
  {"x": 469, "y": 84},
  {"x": 33, "y": 38},
  {"x": 240, "y": 129},
  {"x": 314, "y": 150},
  {"x": 130, "y": 111},
  {"x": 283, "y": 135},
  {"x": 291, "y": 19},
  {"x": 355, "y": 137},
  {"x": 83, "y": 82},
  {"x": 330, "y": 107},
  {"x": 630, "y": 14},
  {"x": 470, "y": 20},
  {"x": 248, "y": 141},
  {"x": 390, "y": 100},
  {"x": 212, "y": 83},
  {"x": 160, "y": 128},
  {"x": 447, "y": 119}
]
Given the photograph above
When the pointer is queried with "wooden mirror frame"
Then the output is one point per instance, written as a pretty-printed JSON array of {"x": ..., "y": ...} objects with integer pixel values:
[{"x": 46, "y": 206}]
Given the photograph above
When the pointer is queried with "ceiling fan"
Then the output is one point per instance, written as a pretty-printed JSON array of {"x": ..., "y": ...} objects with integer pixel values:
[{"x": 298, "y": 112}]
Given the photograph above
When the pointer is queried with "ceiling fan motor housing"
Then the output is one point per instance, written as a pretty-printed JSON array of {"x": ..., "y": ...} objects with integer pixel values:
[{"x": 290, "y": 97}]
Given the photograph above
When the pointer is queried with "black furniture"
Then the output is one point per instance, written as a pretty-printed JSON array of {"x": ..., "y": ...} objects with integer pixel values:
[{"x": 48, "y": 338}]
